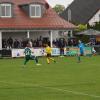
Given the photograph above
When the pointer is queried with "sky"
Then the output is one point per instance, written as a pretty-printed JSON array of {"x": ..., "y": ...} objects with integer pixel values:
[{"x": 52, "y": 3}]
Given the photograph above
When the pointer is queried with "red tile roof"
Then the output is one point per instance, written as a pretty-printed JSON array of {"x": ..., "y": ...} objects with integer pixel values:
[{"x": 21, "y": 20}]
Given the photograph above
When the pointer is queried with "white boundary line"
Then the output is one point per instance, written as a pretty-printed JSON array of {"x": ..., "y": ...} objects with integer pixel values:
[
  {"x": 74, "y": 92},
  {"x": 58, "y": 89}
]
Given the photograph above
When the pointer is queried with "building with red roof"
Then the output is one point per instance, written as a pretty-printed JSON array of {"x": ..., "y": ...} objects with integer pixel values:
[{"x": 30, "y": 19}]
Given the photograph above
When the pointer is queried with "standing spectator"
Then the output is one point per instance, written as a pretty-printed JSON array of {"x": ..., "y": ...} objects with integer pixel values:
[
  {"x": 10, "y": 42},
  {"x": 57, "y": 43},
  {"x": 72, "y": 42},
  {"x": 4, "y": 43},
  {"x": 40, "y": 41},
  {"x": 61, "y": 46},
  {"x": 34, "y": 43},
  {"x": 30, "y": 43},
  {"x": 16, "y": 44},
  {"x": 37, "y": 42}
]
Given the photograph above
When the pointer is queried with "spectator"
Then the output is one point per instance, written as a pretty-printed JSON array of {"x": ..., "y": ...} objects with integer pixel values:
[
  {"x": 4, "y": 43},
  {"x": 61, "y": 46},
  {"x": 16, "y": 44},
  {"x": 10, "y": 42},
  {"x": 30, "y": 43}
]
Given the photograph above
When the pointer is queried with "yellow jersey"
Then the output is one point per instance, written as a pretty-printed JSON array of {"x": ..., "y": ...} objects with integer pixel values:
[{"x": 48, "y": 50}]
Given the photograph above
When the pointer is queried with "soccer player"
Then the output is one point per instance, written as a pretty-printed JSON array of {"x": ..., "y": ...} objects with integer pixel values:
[
  {"x": 79, "y": 58},
  {"x": 48, "y": 53},
  {"x": 29, "y": 56},
  {"x": 81, "y": 48}
]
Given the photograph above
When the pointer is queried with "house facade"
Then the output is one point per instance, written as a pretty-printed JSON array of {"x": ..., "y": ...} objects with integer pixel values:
[
  {"x": 31, "y": 19},
  {"x": 83, "y": 12},
  {"x": 95, "y": 18}
]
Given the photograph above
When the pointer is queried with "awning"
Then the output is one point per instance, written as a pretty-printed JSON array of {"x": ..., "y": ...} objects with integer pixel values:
[{"x": 89, "y": 32}]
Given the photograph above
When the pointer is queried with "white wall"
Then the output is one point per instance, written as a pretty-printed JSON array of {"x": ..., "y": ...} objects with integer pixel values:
[
  {"x": 14, "y": 35},
  {"x": 37, "y": 34},
  {"x": 95, "y": 18}
]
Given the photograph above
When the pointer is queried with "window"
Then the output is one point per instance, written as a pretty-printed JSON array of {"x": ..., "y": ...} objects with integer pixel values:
[
  {"x": 35, "y": 10},
  {"x": 5, "y": 10}
]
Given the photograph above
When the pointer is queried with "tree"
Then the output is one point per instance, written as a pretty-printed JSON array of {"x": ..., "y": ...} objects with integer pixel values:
[
  {"x": 96, "y": 26},
  {"x": 81, "y": 27},
  {"x": 59, "y": 8}
]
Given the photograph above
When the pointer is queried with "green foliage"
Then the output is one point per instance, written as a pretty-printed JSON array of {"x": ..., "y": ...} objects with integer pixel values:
[
  {"x": 83, "y": 38},
  {"x": 96, "y": 26},
  {"x": 81, "y": 27},
  {"x": 59, "y": 8}
]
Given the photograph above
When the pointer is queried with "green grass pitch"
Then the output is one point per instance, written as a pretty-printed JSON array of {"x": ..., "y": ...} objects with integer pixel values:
[{"x": 64, "y": 80}]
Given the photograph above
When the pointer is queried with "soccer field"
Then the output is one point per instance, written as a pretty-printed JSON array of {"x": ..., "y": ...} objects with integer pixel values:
[{"x": 64, "y": 80}]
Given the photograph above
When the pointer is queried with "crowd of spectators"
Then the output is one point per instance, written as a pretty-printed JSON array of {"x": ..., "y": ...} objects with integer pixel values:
[
  {"x": 94, "y": 42},
  {"x": 15, "y": 43},
  {"x": 39, "y": 42},
  {"x": 64, "y": 42}
]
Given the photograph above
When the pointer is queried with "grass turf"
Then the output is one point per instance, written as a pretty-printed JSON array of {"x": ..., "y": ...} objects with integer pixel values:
[{"x": 64, "y": 80}]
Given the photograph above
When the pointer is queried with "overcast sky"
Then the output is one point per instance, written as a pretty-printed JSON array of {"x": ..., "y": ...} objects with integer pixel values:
[{"x": 62, "y": 2}]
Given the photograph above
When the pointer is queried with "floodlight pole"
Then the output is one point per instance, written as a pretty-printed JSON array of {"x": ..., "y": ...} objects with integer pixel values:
[
  {"x": 51, "y": 38},
  {"x": 71, "y": 33},
  {"x": 28, "y": 34},
  {"x": 0, "y": 40}
]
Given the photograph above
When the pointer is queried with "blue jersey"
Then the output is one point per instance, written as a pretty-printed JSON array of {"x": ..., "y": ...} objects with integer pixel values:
[{"x": 81, "y": 47}]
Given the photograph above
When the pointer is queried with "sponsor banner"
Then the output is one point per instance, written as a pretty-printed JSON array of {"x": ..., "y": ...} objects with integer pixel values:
[
  {"x": 55, "y": 52},
  {"x": 17, "y": 52},
  {"x": 35, "y": 51},
  {"x": 87, "y": 50},
  {"x": 38, "y": 51},
  {"x": 71, "y": 51}
]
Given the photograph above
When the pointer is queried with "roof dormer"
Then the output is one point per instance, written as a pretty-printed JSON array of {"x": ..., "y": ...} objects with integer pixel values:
[{"x": 35, "y": 9}]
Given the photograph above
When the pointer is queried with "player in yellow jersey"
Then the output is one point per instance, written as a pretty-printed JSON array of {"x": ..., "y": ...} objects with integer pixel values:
[{"x": 48, "y": 53}]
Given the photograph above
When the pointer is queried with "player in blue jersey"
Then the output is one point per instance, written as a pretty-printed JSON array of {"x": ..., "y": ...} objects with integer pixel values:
[{"x": 81, "y": 48}]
